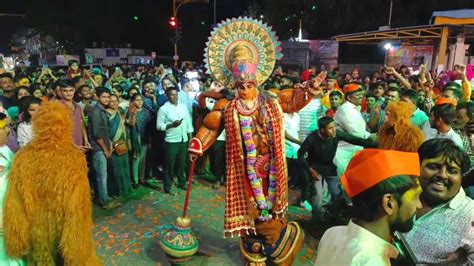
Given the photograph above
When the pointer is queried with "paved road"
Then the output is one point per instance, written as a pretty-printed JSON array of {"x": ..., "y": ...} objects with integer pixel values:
[{"x": 129, "y": 235}]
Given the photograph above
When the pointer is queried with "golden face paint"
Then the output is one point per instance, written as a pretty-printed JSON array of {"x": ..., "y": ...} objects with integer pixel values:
[{"x": 410, "y": 195}]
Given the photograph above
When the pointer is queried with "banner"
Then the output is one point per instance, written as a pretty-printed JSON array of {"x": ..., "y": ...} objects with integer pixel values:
[
  {"x": 410, "y": 56},
  {"x": 61, "y": 60}
]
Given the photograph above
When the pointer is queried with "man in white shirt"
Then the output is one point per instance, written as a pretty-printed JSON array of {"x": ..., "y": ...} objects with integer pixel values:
[
  {"x": 349, "y": 119},
  {"x": 217, "y": 151},
  {"x": 175, "y": 120},
  {"x": 292, "y": 145},
  {"x": 384, "y": 188},
  {"x": 441, "y": 119}
]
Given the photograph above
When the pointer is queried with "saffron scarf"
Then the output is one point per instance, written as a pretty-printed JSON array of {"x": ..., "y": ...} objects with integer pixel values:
[{"x": 237, "y": 218}]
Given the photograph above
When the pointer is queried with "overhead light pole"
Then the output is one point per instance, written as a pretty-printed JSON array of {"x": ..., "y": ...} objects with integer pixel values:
[
  {"x": 390, "y": 14},
  {"x": 176, "y": 5}
]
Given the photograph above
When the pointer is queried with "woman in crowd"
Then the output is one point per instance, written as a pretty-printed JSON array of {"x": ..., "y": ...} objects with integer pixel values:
[
  {"x": 139, "y": 118},
  {"x": 22, "y": 92},
  {"x": 125, "y": 104},
  {"x": 120, "y": 161},
  {"x": 36, "y": 91},
  {"x": 29, "y": 106}
]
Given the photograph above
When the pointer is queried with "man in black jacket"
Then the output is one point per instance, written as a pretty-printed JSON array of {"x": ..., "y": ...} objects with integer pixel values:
[{"x": 316, "y": 154}]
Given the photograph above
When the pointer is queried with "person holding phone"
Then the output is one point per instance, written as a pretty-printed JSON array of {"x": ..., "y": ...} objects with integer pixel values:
[{"x": 175, "y": 119}]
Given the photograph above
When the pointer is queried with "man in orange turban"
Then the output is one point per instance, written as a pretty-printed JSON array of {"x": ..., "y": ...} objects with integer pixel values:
[{"x": 385, "y": 191}]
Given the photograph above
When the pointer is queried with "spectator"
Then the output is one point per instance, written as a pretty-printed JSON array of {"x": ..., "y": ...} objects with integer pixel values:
[
  {"x": 86, "y": 103},
  {"x": 36, "y": 91},
  {"x": 121, "y": 143},
  {"x": 101, "y": 146},
  {"x": 319, "y": 172},
  {"x": 6, "y": 157},
  {"x": 335, "y": 99},
  {"x": 419, "y": 117},
  {"x": 73, "y": 70},
  {"x": 29, "y": 107},
  {"x": 443, "y": 233},
  {"x": 139, "y": 119},
  {"x": 292, "y": 144},
  {"x": 8, "y": 87},
  {"x": 79, "y": 131},
  {"x": 441, "y": 119},
  {"x": 452, "y": 91},
  {"x": 309, "y": 116},
  {"x": 384, "y": 203},
  {"x": 125, "y": 104},
  {"x": 349, "y": 119},
  {"x": 21, "y": 92},
  {"x": 175, "y": 120}
]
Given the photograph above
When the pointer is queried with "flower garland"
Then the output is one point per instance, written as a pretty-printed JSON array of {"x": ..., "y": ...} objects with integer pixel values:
[{"x": 265, "y": 205}]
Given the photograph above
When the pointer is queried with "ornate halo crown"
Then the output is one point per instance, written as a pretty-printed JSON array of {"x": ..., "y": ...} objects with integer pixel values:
[{"x": 242, "y": 49}]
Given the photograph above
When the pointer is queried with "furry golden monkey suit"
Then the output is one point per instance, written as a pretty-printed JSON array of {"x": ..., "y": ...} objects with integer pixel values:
[
  {"x": 48, "y": 215},
  {"x": 398, "y": 133}
]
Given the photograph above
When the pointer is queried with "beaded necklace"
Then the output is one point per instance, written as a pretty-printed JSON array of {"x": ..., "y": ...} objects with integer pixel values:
[{"x": 265, "y": 204}]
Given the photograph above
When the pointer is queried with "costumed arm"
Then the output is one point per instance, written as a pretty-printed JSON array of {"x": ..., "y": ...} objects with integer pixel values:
[
  {"x": 16, "y": 226},
  {"x": 466, "y": 85},
  {"x": 76, "y": 242},
  {"x": 293, "y": 100},
  {"x": 290, "y": 138},
  {"x": 213, "y": 125},
  {"x": 366, "y": 143}
]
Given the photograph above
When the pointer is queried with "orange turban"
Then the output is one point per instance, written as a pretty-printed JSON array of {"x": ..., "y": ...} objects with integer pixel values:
[
  {"x": 443, "y": 100},
  {"x": 372, "y": 166},
  {"x": 351, "y": 88}
]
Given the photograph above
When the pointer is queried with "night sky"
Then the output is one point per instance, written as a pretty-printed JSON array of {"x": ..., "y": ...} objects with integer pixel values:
[{"x": 111, "y": 22}]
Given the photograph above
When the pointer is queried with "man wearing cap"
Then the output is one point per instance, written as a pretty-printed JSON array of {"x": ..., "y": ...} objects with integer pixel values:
[
  {"x": 383, "y": 186},
  {"x": 443, "y": 233},
  {"x": 349, "y": 118}
]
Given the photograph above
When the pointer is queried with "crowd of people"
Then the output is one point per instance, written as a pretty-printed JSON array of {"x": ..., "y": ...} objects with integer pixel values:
[{"x": 134, "y": 124}]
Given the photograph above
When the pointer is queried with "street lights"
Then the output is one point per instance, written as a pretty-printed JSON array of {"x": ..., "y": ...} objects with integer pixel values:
[{"x": 175, "y": 16}]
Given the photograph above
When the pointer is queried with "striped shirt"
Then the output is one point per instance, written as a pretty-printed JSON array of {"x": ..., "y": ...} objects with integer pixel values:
[{"x": 309, "y": 116}]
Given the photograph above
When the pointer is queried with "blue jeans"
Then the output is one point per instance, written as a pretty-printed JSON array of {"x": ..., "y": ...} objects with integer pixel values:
[
  {"x": 333, "y": 186},
  {"x": 100, "y": 167}
]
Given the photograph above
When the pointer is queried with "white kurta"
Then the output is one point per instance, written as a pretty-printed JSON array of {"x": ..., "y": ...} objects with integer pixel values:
[
  {"x": 348, "y": 118},
  {"x": 354, "y": 245}
]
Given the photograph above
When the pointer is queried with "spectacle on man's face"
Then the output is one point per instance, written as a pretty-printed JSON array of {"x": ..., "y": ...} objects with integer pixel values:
[{"x": 440, "y": 179}]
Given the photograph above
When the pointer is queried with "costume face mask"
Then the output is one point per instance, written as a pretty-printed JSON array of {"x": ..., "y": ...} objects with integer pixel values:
[{"x": 247, "y": 90}]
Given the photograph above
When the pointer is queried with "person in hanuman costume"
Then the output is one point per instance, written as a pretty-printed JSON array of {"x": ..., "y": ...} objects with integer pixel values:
[{"x": 241, "y": 54}]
